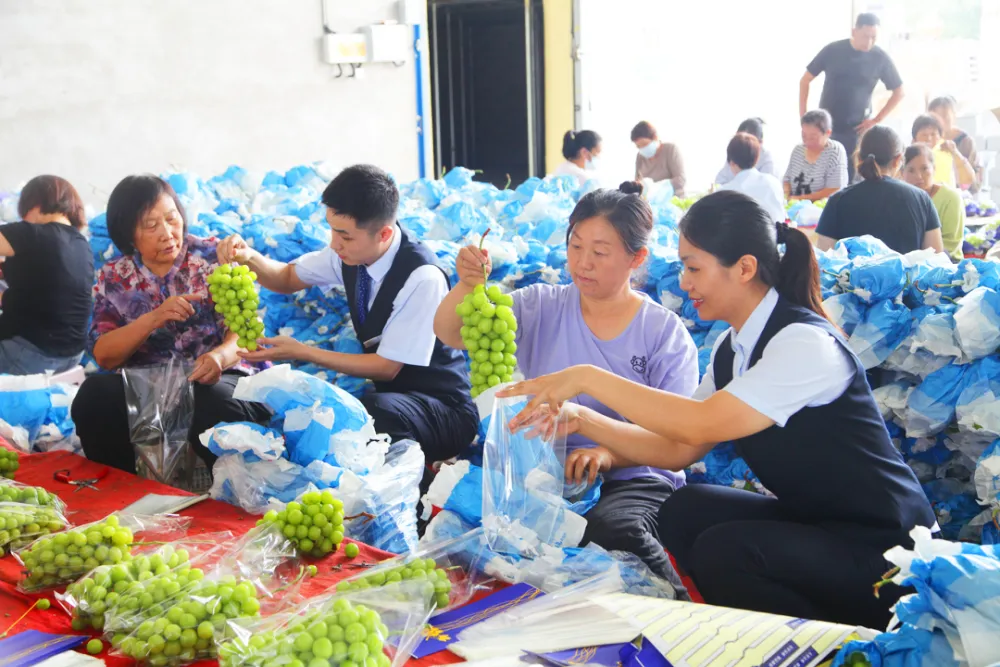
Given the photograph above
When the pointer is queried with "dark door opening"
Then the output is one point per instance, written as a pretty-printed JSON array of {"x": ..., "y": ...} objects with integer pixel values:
[{"x": 488, "y": 98}]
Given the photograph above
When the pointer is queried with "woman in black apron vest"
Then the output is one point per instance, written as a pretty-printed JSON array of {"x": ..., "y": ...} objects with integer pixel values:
[{"x": 784, "y": 387}]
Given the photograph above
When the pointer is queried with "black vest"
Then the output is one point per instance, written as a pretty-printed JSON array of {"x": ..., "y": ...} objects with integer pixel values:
[
  {"x": 446, "y": 377},
  {"x": 834, "y": 464}
]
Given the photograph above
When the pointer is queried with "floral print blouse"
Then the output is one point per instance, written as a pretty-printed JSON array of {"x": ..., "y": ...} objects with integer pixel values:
[{"x": 126, "y": 289}]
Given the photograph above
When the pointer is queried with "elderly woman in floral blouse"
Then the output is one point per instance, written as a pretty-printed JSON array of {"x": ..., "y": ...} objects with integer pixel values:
[{"x": 149, "y": 306}]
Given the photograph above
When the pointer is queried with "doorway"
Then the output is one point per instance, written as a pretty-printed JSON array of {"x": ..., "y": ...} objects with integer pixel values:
[{"x": 487, "y": 76}]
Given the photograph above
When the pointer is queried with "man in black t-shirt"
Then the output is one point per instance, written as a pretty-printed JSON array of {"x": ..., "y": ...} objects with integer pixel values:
[{"x": 853, "y": 67}]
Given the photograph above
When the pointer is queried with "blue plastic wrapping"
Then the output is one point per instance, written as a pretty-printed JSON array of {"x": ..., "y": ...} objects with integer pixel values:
[
  {"x": 251, "y": 441},
  {"x": 846, "y": 310},
  {"x": 877, "y": 278},
  {"x": 977, "y": 322},
  {"x": 282, "y": 389},
  {"x": 883, "y": 328}
]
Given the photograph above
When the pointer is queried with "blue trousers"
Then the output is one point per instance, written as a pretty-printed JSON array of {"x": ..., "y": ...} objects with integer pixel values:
[{"x": 19, "y": 356}]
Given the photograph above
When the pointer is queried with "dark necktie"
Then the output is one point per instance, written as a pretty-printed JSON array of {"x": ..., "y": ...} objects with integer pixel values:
[{"x": 364, "y": 293}]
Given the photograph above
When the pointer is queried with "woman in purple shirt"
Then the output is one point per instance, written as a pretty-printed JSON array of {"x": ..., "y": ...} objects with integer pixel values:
[
  {"x": 149, "y": 306},
  {"x": 599, "y": 319}
]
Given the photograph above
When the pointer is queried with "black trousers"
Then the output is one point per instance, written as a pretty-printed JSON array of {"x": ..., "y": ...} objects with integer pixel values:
[
  {"x": 743, "y": 551},
  {"x": 442, "y": 430},
  {"x": 101, "y": 417},
  {"x": 849, "y": 138},
  {"x": 625, "y": 519}
]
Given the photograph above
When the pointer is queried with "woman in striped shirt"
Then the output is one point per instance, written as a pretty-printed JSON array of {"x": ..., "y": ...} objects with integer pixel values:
[{"x": 818, "y": 166}]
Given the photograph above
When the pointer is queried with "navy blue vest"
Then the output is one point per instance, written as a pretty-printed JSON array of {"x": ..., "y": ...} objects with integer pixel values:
[
  {"x": 446, "y": 377},
  {"x": 834, "y": 464}
]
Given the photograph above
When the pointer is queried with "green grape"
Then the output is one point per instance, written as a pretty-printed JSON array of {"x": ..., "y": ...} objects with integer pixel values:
[
  {"x": 234, "y": 292},
  {"x": 315, "y": 522},
  {"x": 21, "y": 523},
  {"x": 439, "y": 586},
  {"x": 45, "y": 568},
  {"x": 9, "y": 463}
]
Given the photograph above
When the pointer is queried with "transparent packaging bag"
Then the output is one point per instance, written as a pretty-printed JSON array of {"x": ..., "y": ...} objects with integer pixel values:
[
  {"x": 375, "y": 627},
  {"x": 15, "y": 492},
  {"x": 257, "y": 574},
  {"x": 523, "y": 473},
  {"x": 160, "y": 402},
  {"x": 21, "y": 524},
  {"x": 63, "y": 557},
  {"x": 97, "y": 595},
  {"x": 450, "y": 571}
]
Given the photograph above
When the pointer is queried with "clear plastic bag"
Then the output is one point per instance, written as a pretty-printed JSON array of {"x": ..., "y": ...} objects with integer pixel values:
[
  {"x": 96, "y": 596},
  {"x": 258, "y": 574},
  {"x": 21, "y": 523},
  {"x": 15, "y": 492},
  {"x": 160, "y": 402},
  {"x": 373, "y": 627},
  {"x": 451, "y": 571},
  {"x": 523, "y": 506},
  {"x": 87, "y": 546}
]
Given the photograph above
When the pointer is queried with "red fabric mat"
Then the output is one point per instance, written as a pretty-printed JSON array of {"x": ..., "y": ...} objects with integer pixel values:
[{"x": 119, "y": 490}]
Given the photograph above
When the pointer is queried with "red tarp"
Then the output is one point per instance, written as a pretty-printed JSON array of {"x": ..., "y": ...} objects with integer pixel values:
[{"x": 118, "y": 490}]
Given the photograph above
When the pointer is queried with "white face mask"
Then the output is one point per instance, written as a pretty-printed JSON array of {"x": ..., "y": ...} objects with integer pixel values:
[
  {"x": 649, "y": 150},
  {"x": 593, "y": 163}
]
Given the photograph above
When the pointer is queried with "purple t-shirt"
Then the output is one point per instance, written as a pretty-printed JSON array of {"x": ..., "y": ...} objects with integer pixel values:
[{"x": 655, "y": 349}]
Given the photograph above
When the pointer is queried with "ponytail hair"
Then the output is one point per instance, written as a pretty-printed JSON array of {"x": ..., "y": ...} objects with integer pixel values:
[
  {"x": 574, "y": 141},
  {"x": 730, "y": 225},
  {"x": 880, "y": 147}
]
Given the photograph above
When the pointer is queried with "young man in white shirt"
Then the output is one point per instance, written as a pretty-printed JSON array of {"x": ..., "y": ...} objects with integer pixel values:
[{"x": 393, "y": 286}]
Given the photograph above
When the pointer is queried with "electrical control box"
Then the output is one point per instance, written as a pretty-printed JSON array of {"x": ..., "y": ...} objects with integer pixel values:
[
  {"x": 349, "y": 48},
  {"x": 389, "y": 42}
]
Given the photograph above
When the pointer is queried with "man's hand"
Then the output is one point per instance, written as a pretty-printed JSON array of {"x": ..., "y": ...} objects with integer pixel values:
[
  {"x": 587, "y": 463},
  {"x": 207, "y": 368},
  {"x": 279, "y": 348},
  {"x": 234, "y": 249},
  {"x": 470, "y": 264},
  {"x": 174, "y": 309},
  {"x": 865, "y": 125}
]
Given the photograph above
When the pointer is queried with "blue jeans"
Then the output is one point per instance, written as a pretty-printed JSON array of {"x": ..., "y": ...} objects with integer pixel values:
[{"x": 21, "y": 357}]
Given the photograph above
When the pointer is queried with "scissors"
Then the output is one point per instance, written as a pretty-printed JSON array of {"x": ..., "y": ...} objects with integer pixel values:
[{"x": 63, "y": 476}]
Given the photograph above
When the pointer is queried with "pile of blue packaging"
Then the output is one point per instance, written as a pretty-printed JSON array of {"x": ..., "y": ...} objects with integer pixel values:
[{"x": 926, "y": 328}]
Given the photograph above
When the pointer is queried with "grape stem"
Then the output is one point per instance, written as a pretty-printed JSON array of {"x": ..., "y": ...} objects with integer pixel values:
[
  {"x": 368, "y": 517},
  {"x": 486, "y": 276},
  {"x": 21, "y": 618}
]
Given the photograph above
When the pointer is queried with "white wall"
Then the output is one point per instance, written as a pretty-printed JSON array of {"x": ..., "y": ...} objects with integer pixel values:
[
  {"x": 94, "y": 90},
  {"x": 696, "y": 69}
]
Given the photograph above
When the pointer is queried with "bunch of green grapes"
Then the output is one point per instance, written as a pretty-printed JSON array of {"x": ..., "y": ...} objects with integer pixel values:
[
  {"x": 315, "y": 523},
  {"x": 108, "y": 585},
  {"x": 9, "y": 463},
  {"x": 191, "y": 612},
  {"x": 21, "y": 523},
  {"x": 437, "y": 586},
  {"x": 66, "y": 556},
  {"x": 234, "y": 292},
  {"x": 340, "y": 634},
  {"x": 12, "y": 492},
  {"x": 488, "y": 331}
]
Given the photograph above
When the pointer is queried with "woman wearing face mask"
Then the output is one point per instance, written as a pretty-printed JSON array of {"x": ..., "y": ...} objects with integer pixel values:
[
  {"x": 900, "y": 215},
  {"x": 582, "y": 151},
  {"x": 951, "y": 167},
  {"x": 49, "y": 269},
  {"x": 945, "y": 108},
  {"x": 784, "y": 385},
  {"x": 657, "y": 160},
  {"x": 818, "y": 166},
  {"x": 601, "y": 319},
  {"x": 918, "y": 171},
  {"x": 150, "y": 306}
]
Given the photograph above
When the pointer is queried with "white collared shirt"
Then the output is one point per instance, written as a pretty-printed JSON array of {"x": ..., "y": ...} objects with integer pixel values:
[
  {"x": 802, "y": 366},
  {"x": 763, "y": 188},
  {"x": 408, "y": 336}
]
